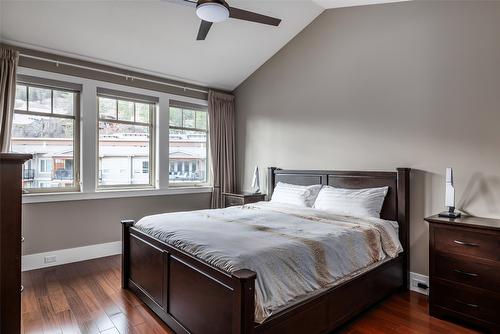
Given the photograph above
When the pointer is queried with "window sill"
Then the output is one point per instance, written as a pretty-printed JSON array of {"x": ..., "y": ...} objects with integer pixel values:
[{"x": 79, "y": 196}]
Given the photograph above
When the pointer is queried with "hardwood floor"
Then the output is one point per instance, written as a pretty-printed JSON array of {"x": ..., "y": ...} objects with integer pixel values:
[{"x": 86, "y": 297}]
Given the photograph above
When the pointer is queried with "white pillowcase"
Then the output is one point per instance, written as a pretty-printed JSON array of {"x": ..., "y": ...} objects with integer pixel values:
[
  {"x": 294, "y": 194},
  {"x": 351, "y": 202}
]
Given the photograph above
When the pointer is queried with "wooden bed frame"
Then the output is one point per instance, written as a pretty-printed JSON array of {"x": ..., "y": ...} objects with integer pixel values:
[{"x": 192, "y": 296}]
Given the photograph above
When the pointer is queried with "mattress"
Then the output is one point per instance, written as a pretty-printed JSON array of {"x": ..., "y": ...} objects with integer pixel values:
[{"x": 295, "y": 252}]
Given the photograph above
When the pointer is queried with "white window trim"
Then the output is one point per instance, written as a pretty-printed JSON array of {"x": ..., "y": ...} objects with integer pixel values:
[{"x": 88, "y": 146}]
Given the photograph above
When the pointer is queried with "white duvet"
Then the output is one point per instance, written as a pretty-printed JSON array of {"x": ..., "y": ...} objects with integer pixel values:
[{"x": 295, "y": 252}]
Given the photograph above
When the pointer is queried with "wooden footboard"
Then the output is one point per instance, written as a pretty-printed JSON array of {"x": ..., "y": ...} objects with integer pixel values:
[{"x": 189, "y": 295}]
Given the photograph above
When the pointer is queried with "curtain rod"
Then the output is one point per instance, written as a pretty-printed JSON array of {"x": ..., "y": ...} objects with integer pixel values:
[{"x": 127, "y": 77}]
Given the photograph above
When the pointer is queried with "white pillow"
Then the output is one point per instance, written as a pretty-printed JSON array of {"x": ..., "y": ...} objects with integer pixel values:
[
  {"x": 294, "y": 194},
  {"x": 352, "y": 202}
]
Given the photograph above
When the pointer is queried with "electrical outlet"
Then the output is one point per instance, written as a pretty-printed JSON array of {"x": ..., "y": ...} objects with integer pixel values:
[
  {"x": 414, "y": 282},
  {"x": 419, "y": 285},
  {"x": 50, "y": 259}
]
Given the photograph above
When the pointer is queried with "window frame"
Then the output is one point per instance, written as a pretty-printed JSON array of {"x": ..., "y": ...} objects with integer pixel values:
[
  {"x": 195, "y": 107},
  {"x": 153, "y": 103},
  {"x": 56, "y": 85}
]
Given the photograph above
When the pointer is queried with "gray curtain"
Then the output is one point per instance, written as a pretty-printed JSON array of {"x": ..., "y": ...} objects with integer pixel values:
[
  {"x": 8, "y": 69},
  {"x": 222, "y": 144}
]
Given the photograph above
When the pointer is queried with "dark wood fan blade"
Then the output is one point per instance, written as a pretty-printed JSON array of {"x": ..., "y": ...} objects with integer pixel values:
[
  {"x": 203, "y": 31},
  {"x": 242, "y": 14}
]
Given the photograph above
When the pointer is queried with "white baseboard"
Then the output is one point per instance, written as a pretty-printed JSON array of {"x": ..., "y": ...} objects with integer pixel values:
[
  {"x": 62, "y": 256},
  {"x": 415, "y": 278}
]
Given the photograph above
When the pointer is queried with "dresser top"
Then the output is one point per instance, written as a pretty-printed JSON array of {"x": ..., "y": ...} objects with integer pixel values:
[
  {"x": 467, "y": 221},
  {"x": 15, "y": 157}
]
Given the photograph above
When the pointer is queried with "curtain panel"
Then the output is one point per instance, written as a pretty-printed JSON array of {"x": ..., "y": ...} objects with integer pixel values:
[
  {"x": 221, "y": 113},
  {"x": 9, "y": 60}
]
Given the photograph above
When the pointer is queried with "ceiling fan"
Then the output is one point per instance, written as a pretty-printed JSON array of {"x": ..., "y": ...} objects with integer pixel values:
[{"x": 215, "y": 11}]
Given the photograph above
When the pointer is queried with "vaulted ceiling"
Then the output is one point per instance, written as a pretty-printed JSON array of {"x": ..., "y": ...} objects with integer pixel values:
[{"x": 159, "y": 37}]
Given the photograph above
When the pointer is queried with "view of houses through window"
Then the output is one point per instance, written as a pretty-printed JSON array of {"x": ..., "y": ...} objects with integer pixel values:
[{"x": 45, "y": 125}]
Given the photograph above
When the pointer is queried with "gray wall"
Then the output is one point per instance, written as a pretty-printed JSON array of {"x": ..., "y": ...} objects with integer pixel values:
[
  {"x": 61, "y": 225},
  {"x": 411, "y": 84}
]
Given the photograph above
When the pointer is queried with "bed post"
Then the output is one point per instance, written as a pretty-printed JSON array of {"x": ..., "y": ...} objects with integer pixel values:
[
  {"x": 270, "y": 181},
  {"x": 403, "y": 201},
  {"x": 126, "y": 224},
  {"x": 244, "y": 311}
]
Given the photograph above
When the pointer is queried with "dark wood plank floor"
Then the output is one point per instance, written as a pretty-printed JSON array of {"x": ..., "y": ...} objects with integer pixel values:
[{"x": 86, "y": 297}]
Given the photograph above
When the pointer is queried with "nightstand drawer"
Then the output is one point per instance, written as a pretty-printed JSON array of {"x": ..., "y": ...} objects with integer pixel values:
[
  {"x": 467, "y": 242},
  {"x": 254, "y": 199},
  {"x": 472, "y": 302},
  {"x": 476, "y": 273},
  {"x": 233, "y": 201}
]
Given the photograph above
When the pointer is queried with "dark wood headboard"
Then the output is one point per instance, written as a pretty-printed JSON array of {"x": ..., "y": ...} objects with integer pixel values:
[{"x": 396, "y": 205}]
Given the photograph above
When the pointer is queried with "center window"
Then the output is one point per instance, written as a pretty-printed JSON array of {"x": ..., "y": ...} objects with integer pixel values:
[{"x": 126, "y": 139}]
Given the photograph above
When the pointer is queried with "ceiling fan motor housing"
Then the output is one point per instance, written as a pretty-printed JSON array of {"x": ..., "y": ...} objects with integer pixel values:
[{"x": 212, "y": 10}]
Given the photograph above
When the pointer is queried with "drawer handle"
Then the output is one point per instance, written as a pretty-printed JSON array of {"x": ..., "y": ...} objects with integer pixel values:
[
  {"x": 465, "y": 273},
  {"x": 465, "y": 243},
  {"x": 22, "y": 288},
  {"x": 466, "y": 304}
]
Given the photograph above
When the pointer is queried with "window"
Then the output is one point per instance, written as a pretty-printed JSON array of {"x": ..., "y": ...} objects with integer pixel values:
[
  {"x": 145, "y": 167},
  {"x": 46, "y": 124},
  {"x": 45, "y": 166},
  {"x": 119, "y": 137},
  {"x": 126, "y": 139},
  {"x": 188, "y": 149}
]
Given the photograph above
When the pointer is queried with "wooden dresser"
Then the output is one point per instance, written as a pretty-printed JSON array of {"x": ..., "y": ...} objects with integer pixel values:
[
  {"x": 232, "y": 199},
  {"x": 464, "y": 263},
  {"x": 11, "y": 166}
]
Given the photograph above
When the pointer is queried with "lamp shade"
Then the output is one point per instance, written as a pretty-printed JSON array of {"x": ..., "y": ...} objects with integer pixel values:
[
  {"x": 256, "y": 180},
  {"x": 449, "y": 189}
]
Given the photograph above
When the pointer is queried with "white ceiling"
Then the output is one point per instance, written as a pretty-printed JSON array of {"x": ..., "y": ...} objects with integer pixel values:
[
  {"x": 350, "y": 3},
  {"x": 159, "y": 37}
]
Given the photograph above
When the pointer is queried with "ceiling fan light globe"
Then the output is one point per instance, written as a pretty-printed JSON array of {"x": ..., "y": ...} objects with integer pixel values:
[{"x": 212, "y": 12}]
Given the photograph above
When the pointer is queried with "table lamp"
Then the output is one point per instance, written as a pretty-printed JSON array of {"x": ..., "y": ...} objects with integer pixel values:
[{"x": 449, "y": 200}]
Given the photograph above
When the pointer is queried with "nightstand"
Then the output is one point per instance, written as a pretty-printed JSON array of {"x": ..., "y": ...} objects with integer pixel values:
[
  {"x": 233, "y": 199},
  {"x": 464, "y": 264}
]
